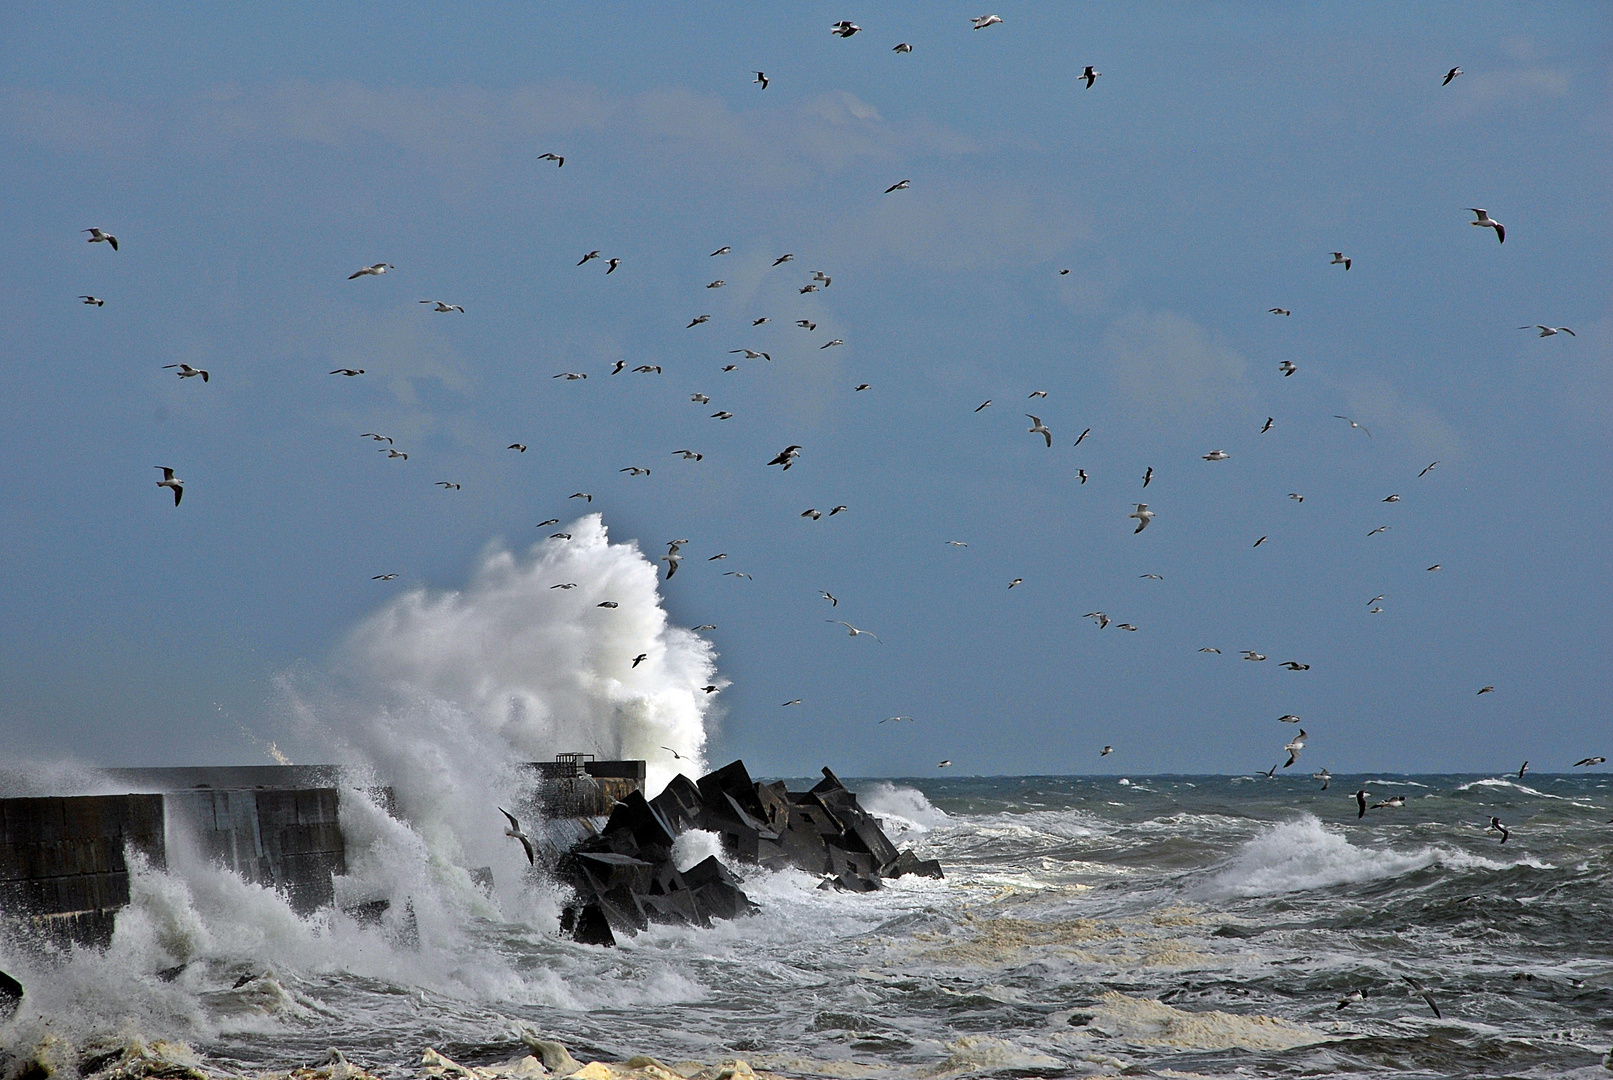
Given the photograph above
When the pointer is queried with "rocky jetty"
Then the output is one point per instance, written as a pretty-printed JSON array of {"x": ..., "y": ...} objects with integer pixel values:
[{"x": 624, "y": 877}]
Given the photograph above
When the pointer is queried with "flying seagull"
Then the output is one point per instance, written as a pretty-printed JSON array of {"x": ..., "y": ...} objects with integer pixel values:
[
  {"x": 903, "y": 47},
  {"x": 608, "y": 604},
  {"x": 1262, "y": 540},
  {"x": 1143, "y": 516},
  {"x": 761, "y": 77},
  {"x": 982, "y": 405},
  {"x": 792, "y": 701},
  {"x": 1545, "y": 331},
  {"x": 1419, "y": 987},
  {"x": 697, "y": 320},
  {"x": 806, "y": 324},
  {"x": 1152, "y": 577},
  {"x": 1324, "y": 776},
  {"x": 581, "y": 495},
  {"x": 1280, "y": 311},
  {"x": 393, "y": 454},
  {"x": 1451, "y": 74},
  {"x": 829, "y": 597},
  {"x": 515, "y": 831},
  {"x": 812, "y": 512},
  {"x": 947, "y": 764},
  {"x": 1016, "y": 581},
  {"x": 591, "y": 255},
  {"x": 98, "y": 237},
  {"x": 1379, "y": 529},
  {"x": 564, "y": 585},
  {"x": 722, "y": 415},
  {"x": 900, "y": 185},
  {"x": 1340, "y": 260},
  {"x": 1294, "y": 747},
  {"x": 1496, "y": 826},
  {"x": 635, "y": 471},
  {"x": 675, "y": 755},
  {"x": 862, "y": 386},
  {"x": 187, "y": 372},
  {"x": 1090, "y": 74},
  {"x": 1287, "y": 367},
  {"x": 852, "y": 631},
  {"x": 758, "y": 322},
  {"x": 1082, "y": 473},
  {"x": 1081, "y": 436},
  {"x": 752, "y": 354},
  {"x": 1039, "y": 428},
  {"x": 700, "y": 399},
  {"x": 1148, "y": 476},
  {"x": 1436, "y": 566},
  {"x": 1361, "y": 804},
  {"x": 1098, "y": 617},
  {"x": 570, "y": 376},
  {"x": 957, "y": 543},
  {"x": 559, "y": 162},
  {"x": 1391, "y": 498},
  {"x": 349, "y": 372},
  {"x": 1485, "y": 221},
  {"x": 786, "y": 457},
  {"x": 725, "y": 249},
  {"x": 517, "y": 446},
  {"x": 169, "y": 480},
  {"x": 1038, "y": 393},
  {"x": 1393, "y": 803},
  {"x": 92, "y": 301},
  {"x": 1288, "y": 719},
  {"x": 688, "y": 455},
  {"x": 844, "y": 28},
  {"x": 1523, "y": 768},
  {"x": 1294, "y": 665},
  {"x": 736, "y": 573},
  {"x": 982, "y": 21},
  {"x": 1296, "y": 496},
  {"x": 832, "y": 344},
  {"x": 640, "y": 658},
  {"x": 1217, "y": 455},
  {"x": 438, "y": 305},
  {"x": 719, "y": 283},
  {"x": 783, "y": 259},
  {"x": 375, "y": 270},
  {"x": 1266, "y": 426},
  {"x": 1106, "y": 751},
  {"x": 1211, "y": 648},
  {"x": 611, "y": 264},
  {"x": 1250, "y": 654},
  {"x": 1486, "y": 690},
  {"x": 1352, "y": 423},
  {"x": 1577, "y": 764},
  {"x": 446, "y": 485},
  {"x": 384, "y": 577}
]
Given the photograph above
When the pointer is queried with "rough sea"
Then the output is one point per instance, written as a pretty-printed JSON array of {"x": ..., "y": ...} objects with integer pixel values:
[{"x": 1157, "y": 926}]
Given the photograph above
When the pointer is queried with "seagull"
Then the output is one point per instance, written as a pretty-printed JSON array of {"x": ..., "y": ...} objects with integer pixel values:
[
  {"x": 844, "y": 28},
  {"x": 1266, "y": 426},
  {"x": 819, "y": 275},
  {"x": 187, "y": 372},
  {"x": 832, "y": 344},
  {"x": 591, "y": 255},
  {"x": 1523, "y": 768},
  {"x": 635, "y": 470},
  {"x": 947, "y": 764},
  {"x": 752, "y": 354},
  {"x": 792, "y": 701},
  {"x": 807, "y": 288},
  {"x": 1425, "y": 471},
  {"x": 1324, "y": 776},
  {"x": 349, "y": 372},
  {"x": 1451, "y": 74},
  {"x": 852, "y": 631},
  {"x": 581, "y": 495},
  {"x": 688, "y": 455},
  {"x": 639, "y": 659},
  {"x": 1143, "y": 516},
  {"x": 565, "y": 585},
  {"x": 517, "y": 446},
  {"x": 570, "y": 376},
  {"x": 1486, "y": 690},
  {"x": 92, "y": 301},
  {"x": 904, "y": 47},
  {"x": 719, "y": 555},
  {"x": 1294, "y": 747},
  {"x": 1379, "y": 529},
  {"x": 1090, "y": 75},
  {"x": 717, "y": 284},
  {"x": 838, "y": 509},
  {"x": 1340, "y": 260},
  {"x": 724, "y": 415},
  {"x": 1280, "y": 311},
  {"x": 1436, "y": 566},
  {"x": 982, "y": 405},
  {"x": 1217, "y": 455},
  {"x": 806, "y": 324},
  {"x": 675, "y": 755},
  {"x": 446, "y": 485},
  {"x": 384, "y": 577},
  {"x": 1288, "y": 719},
  {"x": 438, "y": 305},
  {"x": 897, "y": 719},
  {"x": 958, "y": 543},
  {"x": 1148, "y": 477},
  {"x": 1296, "y": 496},
  {"x": 170, "y": 481},
  {"x": 1496, "y": 826},
  {"x": 1392, "y": 498},
  {"x": 1153, "y": 577},
  {"x": 832, "y": 601},
  {"x": 515, "y": 831},
  {"x": 1211, "y": 648},
  {"x": 982, "y": 21},
  {"x": 98, "y": 237},
  {"x": 1098, "y": 617},
  {"x": 1352, "y": 423},
  {"x": 1577, "y": 764},
  {"x": 1375, "y": 599},
  {"x": 1271, "y": 771},
  {"x": 1419, "y": 987},
  {"x": 1294, "y": 665},
  {"x": 783, "y": 259},
  {"x": 608, "y": 604},
  {"x": 1262, "y": 540},
  {"x": 560, "y": 536},
  {"x": 812, "y": 512},
  {"x": 786, "y": 457},
  {"x": 1081, "y": 436},
  {"x": 1016, "y": 581},
  {"x": 1127, "y": 626},
  {"x": 697, "y": 320},
  {"x": 1106, "y": 751},
  {"x": 1038, "y": 393},
  {"x": 1354, "y": 995},
  {"x": 1545, "y": 331},
  {"x": 1039, "y": 428},
  {"x": 370, "y": 271},
  {"x": 1287, "y": 367},
  {"x": 559, "y": 162},
  {"x": 1390, "y": 804},
  {"x": 761, "y": 77},
  {"x": 1082, "y": 473},
  {"x": 1361, "y": 804},
  {"x": 647, "y": 369},
  {"x": 736, "y": 573},
  {"x": 391, "y": 454},
  {"x": 900, "y": 185},
  {"x": 862, "y": 386},
  {"x": 611, "y": 264},
  {"x": 1485, "y": 221},
  {"x": 700, "y": 399},
  {"x": 1250, "y": 654},
  {"x": 758, "y": 322}
]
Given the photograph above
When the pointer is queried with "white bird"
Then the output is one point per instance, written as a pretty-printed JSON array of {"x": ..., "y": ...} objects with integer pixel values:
[
  {"x": 559, "y": 161},
  {"x": 1098, "y": 617},
  {"x": 1106, "y": 751},
  {"x": 957, "y": 543},
  {"x": 393, "y": 454},
  {"x": 829, "y": 597},
  {"x": 515, "y": 831},
  {"x": 99, "y": 237},
  {"x": 752, "y": 354},
  {"x": 1143, "y": 516},
  {"x": 947, "y": 764},
  {"x": 438, "y": 305},
  {"x": 96, "y": 301},
  {"x": 761, "y": 77},
  {"x": 844, "y": 28},
  {"x": 1451, "y": 74},
  {"x": 1211, "y": 648},
  {"x": 1038, "y": 393},
  {"x": 1391, "y": 498},
  {"x": 900, "y": 185},
  {"x": 1090, "y": 74},
  {"x": 1427, "y": 469},
  {"x": 1039, "y": 428},
  {"x": 1545, "y": 331},
  {"x": 1485, "y": 221},
  {"x": 852, "y": 631},
  {"x": 1152, "y": 577},
  {"x": 635, "y": 471},
  {"x": 903, "y": 47},
  {"x": 570, "y": 376},
  {"x": 1289, "y": 719},
  {"x": 700, "y": 399},
  {"x": 1217, "y": 455},
  {"x": 187, "y": 372},
  {"x": 688, "y": 455},
  {"x": 1250, "y": 654},
  {"x": 783, "y": 259},
  {"x": 697, "y": 320},
  {"x": 1294, "y": 747},
  {"x": 1280, "y": 311},
  {"x": 719, "y": 283},
  {"x": 982, "y": 21},
  {"x": 786, "y": 457},
  {"x": 1287, "y": 367},
  {"x": 806, "y": 324},
  {"x": 1352, "y": 423},
  {"x": 832, "y": 344},
  {"x": 611, "y": 264},
  {"x": 375, "y": 270},
  {"x": 1340, "y": 260},
  {"x": 724, "y": 250},
  {"x": 169, "y": 480}
]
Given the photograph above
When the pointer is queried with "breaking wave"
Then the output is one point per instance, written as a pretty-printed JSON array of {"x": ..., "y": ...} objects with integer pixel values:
[{"x": 903, "y": 809}]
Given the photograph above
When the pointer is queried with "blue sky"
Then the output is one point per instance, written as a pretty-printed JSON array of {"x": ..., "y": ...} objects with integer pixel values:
[{"x": 249, "y": 159}]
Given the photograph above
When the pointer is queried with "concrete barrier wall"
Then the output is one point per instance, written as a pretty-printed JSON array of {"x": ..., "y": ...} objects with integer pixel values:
[
  {"x": 63, "y": 872},
  {"x": 290, "y": 840}
]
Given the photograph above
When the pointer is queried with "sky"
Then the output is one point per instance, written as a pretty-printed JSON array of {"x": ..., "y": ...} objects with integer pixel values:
[{"x": 251, "y": 157}]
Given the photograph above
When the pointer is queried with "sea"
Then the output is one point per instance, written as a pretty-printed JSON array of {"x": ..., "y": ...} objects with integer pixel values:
[{"x": 1176, "y": 926}]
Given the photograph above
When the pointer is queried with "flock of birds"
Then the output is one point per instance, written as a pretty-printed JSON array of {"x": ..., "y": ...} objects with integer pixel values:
[{"x": 789, "y": 455}]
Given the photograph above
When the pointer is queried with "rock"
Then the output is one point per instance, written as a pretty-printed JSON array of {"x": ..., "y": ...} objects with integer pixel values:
[
  {"x": 594, "y": 1070},
  {"x": 556, "y": 1058},
  {"x": 437, "y": 1065}
]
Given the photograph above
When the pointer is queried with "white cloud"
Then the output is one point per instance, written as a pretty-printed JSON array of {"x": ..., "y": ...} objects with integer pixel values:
[{"x": 1169, "y": 366}]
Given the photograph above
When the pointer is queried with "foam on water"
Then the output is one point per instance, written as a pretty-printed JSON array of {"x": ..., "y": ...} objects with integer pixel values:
[
  {"x": 1301, "y": 855},
  {"x": 904, "y": 810}
]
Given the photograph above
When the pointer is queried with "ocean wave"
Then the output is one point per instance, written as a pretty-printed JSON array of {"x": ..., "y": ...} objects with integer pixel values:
[
  {"x": 903, "y": 809},
  {"x": 1302, "y": 855},
  {"x": 1499, "y": 782}
]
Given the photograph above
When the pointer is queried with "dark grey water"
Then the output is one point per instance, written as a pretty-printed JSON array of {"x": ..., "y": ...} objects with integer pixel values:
[{"x": 1166, "y": 926}]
